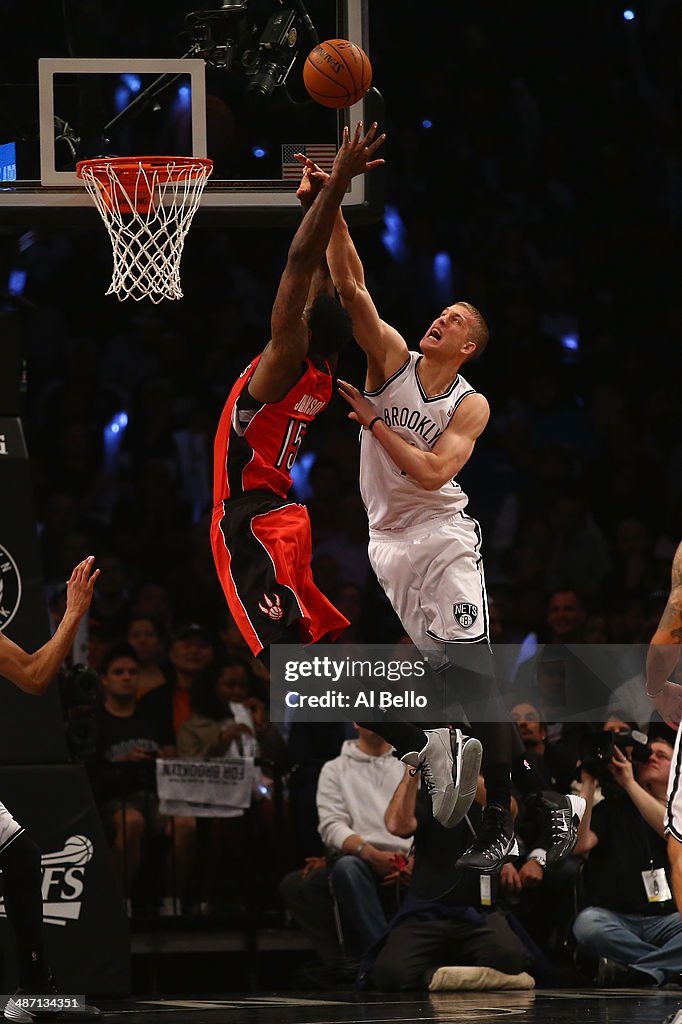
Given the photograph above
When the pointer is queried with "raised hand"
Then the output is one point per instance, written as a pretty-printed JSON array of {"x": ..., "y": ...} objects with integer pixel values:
[
  {"x": 354, "y": 155},
  {"x": 363, "y": 411},
  {"x": 80, "y": 587}
]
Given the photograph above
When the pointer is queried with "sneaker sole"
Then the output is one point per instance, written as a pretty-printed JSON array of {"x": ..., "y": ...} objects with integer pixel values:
[
  {"x": 17, "y": 1013},
  {"x": 469, "y": 771}
]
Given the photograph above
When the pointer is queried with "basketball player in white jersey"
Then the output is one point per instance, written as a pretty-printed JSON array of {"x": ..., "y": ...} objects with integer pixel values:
[
  {"x": 421, "y": 420},
  {"x": 663, "y": 658},
  {"x": 19, "y": 855}
]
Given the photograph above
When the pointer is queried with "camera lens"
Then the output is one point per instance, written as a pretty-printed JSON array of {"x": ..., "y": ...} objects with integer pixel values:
[{"x": 265, "y": 80}]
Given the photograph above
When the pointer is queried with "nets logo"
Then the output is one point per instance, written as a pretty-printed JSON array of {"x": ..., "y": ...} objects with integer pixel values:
[
  {"x": 10, "y": 588},
  {"x": 63, "y": 881},
  {"x": 466, "y": 614}
]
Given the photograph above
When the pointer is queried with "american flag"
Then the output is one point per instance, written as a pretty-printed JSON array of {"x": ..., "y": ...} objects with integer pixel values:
[{"x": 321, "y": 152}]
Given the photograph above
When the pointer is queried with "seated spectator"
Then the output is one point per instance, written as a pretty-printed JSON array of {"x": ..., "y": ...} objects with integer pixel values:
[
  {"x": 217, "y": 726},
  {"x": 365, "y": 864},
  {"x": 552, "y": 761},
  {"x": 443, "y": 920},
  {"x": 144, "y": 635},
  {"x": 630, "y": 927},
  {"x": 190, "y": 653},
  {"x": 220, "y": 726},
  {"x": 129, "y": 739}
]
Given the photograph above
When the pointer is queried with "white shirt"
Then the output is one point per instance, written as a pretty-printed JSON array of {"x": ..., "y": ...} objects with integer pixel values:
[{"x": 353, "y": 792}]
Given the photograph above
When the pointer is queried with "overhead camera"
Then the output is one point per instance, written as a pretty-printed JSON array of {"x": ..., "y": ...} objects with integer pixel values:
[{"x": 249, "y": 36}]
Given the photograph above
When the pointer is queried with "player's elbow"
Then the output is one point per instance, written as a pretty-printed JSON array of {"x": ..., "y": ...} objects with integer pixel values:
[
  {"x": 399, "y": 825},
  {"x": 347, "y": 287},
  {"x": 431, "y": 479},
  {"x": 34, "y": 686}
]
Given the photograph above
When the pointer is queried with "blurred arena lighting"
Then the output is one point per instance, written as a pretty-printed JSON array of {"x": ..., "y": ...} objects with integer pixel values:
[
  {"x": 300, "y": 474},
  {"x": 629, "y": 15},
  {"x": 113, "y": 436},
  {"x": 427, "y": 123},
  {"x": 183, "y": 99},
  {"x": 570, "y": 342},
  {"x": 129, "y": 84},
  {"x": 16, "y": 282},
  {"x": 394, "y": 235},
  {"x": 442, "y": 276},
  {"x": 132, "y": 82},
  {"x": 259, "y": 152}
]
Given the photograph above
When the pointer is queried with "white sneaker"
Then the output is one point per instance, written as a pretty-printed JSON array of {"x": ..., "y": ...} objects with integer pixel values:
[{"x": 449, "y": 763}]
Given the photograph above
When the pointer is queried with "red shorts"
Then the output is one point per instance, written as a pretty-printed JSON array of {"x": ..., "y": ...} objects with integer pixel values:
[{"x": 262, "y": 549}]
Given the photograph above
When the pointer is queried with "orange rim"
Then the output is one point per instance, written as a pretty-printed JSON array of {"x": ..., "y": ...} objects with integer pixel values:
[{"x": 128, "y": 164}]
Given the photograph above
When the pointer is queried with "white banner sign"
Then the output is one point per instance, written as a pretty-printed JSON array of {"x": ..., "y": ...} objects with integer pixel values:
[{"x": 205, "y": 789}]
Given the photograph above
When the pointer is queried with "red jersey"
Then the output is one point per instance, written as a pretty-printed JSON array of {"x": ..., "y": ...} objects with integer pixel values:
[{"x": 256, "y": 443}]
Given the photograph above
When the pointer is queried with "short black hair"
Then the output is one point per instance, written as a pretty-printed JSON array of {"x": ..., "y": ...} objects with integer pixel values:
[
  {"x": 118, "y": 650},
  {"x": 331, "y": 327}
]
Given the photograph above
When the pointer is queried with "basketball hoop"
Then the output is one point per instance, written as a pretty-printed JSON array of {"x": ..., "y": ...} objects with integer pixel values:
[{"x": 147, "y": 204}]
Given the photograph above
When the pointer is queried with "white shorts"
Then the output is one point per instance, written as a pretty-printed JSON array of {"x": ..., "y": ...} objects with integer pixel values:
[
  {"x": 433, "y": 577},
  {"x": 9, "y": 828},
  {"x": 673, "y": 814}
]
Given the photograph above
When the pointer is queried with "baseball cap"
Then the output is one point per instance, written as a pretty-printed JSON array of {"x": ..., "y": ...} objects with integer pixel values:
[{"x": 192, "y": 629}]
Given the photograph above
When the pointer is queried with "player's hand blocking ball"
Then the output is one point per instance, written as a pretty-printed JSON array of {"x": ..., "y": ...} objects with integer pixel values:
[{"x": 337, "y": 73}]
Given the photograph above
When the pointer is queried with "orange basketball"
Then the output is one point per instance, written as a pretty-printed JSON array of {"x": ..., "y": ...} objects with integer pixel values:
[{"x": 337, "y": 73}]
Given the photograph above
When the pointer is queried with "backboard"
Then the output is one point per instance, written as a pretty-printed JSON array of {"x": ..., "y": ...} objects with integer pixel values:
[{"x": 228, "y": 86}]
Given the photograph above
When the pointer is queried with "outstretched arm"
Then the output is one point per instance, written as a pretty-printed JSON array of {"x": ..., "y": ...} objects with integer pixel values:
[
  {"x": 433, "y": 468},
  {"x": 33, "y": 672},
  {"x": 280, "y": 364},
  {"x": 385, "y": 348},
  {"x": 665, "y": 649}
]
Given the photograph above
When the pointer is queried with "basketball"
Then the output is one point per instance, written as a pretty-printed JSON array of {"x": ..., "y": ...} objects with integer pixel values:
[{"x": 337, "y": 73}]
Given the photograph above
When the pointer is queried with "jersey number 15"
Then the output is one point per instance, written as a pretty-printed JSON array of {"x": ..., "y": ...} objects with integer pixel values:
[{"x": 293, "y": 435}]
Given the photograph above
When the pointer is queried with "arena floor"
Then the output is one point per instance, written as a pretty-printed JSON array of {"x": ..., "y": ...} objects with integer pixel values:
[{"x": 558, "y": 1006}]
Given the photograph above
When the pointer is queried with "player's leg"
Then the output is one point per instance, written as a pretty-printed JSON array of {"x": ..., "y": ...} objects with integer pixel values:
[
  {"x": 262, "y": 549},
  {"x": 449, "y": 761},
  {"x": 454, "y": 602},
  {"x": 21, "y": 868},
  {"x": 20, "y": 864}
]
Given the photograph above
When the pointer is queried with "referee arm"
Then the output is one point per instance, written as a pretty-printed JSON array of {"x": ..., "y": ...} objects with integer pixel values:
[
  {"x": 665, "y": 649},
  {"x": 32, "y": 673}
]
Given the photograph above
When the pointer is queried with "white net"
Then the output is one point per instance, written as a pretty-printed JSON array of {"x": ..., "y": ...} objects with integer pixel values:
[{"x": 148, "y": 210}]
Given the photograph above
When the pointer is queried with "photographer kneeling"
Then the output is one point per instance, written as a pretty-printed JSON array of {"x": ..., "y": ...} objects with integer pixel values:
[{"x": 630, "y": 926}]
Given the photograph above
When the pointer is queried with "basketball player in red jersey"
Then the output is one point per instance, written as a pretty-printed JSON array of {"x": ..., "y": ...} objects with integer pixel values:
[
  {"x": 262, "y": 541},
  {"x": 19, "y": 855}
]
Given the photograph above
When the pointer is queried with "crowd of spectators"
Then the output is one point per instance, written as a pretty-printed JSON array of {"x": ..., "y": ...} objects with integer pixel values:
[{"x": 551, "y": 198}]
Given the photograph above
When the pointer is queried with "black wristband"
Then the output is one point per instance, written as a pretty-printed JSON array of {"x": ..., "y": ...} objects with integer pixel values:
[{"x": 372, "y": 422}]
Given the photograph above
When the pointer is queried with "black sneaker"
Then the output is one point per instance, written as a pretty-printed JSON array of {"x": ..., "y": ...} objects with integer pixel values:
[
  {"x": 494, "y": 841},
  {"x": 562, "y": 816}
]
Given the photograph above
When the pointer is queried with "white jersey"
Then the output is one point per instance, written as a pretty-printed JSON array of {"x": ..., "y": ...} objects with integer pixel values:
[{"x": 394, "y": 501}]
